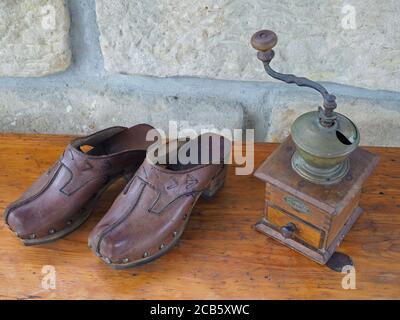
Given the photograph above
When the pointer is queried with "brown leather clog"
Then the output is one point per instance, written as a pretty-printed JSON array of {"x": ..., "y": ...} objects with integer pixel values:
[
  {"x": 64, "y": 197},
  {"x": 150, "y": 215}
]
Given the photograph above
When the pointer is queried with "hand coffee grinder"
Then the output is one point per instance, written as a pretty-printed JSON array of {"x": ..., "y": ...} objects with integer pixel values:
[{"x": 314, "y": 178}]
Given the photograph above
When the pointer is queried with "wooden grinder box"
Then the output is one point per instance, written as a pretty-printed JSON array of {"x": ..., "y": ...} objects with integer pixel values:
[{"x": 310, "y": 218}]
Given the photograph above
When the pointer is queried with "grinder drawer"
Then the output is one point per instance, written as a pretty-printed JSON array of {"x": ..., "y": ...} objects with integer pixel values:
[{"x": 291, "y": 227}]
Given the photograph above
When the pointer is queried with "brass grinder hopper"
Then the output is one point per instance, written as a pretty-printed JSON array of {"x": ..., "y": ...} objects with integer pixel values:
[{"x": 324, "y": 139}]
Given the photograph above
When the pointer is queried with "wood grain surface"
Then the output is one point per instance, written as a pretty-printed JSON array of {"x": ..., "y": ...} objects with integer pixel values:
[{"x": 219, "y": 256}]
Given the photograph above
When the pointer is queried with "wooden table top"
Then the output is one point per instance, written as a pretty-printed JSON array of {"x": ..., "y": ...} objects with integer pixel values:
[{"x": 220, "y": 255}]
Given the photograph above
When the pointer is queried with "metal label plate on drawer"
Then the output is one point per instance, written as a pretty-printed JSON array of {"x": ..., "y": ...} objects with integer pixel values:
[{"x": 297, "y": 205}]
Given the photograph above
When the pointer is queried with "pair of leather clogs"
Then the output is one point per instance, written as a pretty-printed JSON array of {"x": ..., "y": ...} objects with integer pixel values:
[{"x": 148, "y": 216}]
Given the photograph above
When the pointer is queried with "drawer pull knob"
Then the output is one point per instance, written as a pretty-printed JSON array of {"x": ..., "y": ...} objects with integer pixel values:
[{"x": 288, "y": 230}]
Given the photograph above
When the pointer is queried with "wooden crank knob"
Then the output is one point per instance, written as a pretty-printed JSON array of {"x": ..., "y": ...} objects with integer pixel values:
[{"x": 264, "y": 40}]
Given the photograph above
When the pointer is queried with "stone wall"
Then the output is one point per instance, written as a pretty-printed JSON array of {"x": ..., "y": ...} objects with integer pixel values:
[{"x": 79, "y": 66}]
